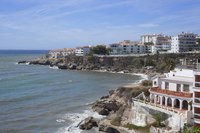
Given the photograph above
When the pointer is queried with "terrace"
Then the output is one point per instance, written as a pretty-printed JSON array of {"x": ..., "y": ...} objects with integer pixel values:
[{"x": 173, "y": 93}]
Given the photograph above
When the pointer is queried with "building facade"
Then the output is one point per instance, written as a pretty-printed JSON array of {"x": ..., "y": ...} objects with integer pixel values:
[
  {"x": 184, "y": 42},
  {"x": 60, "y": 53},
  {"x": 179, "y": 90},
  {"x": 82, "y": 51},
  {"x": 159, "y": 42},
  {"x": 128, "y": 47}
]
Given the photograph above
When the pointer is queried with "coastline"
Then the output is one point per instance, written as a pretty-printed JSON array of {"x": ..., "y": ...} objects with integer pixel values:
[
  {"x": 104, "y": 118},
  {"x": 113, "y": 100}
]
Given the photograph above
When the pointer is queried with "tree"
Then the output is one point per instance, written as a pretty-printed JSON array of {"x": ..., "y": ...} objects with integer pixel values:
[
  {"x": 100, "y": 50},
  {"x": 196, "y": 130},
  {"x": 186, "y": 129},
  {"x": 158, "y": 118},
  {"x": 198, "y": 41}
]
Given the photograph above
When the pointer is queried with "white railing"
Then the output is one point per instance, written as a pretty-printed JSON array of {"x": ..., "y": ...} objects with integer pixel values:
[
  {"x": 165, "y": 109},
  {"x": 197, "y": 120},
  {"x": 196, "y": 114}
]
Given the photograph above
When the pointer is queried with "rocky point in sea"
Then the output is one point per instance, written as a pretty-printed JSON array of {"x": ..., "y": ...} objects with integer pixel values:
[
  {"x": 116, "y": 107},
  {"x": 108, "y": 64}
]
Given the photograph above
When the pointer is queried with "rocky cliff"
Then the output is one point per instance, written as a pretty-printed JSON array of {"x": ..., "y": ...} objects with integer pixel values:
[
  {"x": 117, "y": 108},
  {"x": 148, "y": 64}
]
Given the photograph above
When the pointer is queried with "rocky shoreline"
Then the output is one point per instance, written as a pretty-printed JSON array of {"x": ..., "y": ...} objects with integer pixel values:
[
  {"x": 74, "y": 65},
  {"x": 116, "y": 107}
]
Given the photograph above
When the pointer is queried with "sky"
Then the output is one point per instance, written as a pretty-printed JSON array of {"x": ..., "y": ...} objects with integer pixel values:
[{"x": 52, "y": 24}]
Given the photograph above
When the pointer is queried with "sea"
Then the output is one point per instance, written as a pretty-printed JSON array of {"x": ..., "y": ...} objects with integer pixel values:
[{"x": 41, "y": 99}]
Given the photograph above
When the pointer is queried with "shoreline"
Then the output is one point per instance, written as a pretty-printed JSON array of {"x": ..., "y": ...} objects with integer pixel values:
[{"x": 108, "y": 101}]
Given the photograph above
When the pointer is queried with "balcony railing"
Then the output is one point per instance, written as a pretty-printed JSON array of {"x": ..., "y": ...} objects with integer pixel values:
[
  {"x": 197, "y": 84},
  {"x": 196, "y": 120},
  {"x": 197, "y": 100},
  {"x": 173, "y": 93}
]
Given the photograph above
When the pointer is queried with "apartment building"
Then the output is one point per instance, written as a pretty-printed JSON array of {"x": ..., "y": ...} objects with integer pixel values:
[
  {"x": 82, "y": 51},
  {"x": 128, "y": 47},
  {"x": 60, "y": 53},
  {"x": 159, "y": 42},
  {"x": 184, "y": 42},
  {"x": 179, "y": 90}
]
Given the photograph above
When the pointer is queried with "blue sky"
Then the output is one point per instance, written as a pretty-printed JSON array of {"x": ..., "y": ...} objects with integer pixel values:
[{"x": 51, "y": 24}]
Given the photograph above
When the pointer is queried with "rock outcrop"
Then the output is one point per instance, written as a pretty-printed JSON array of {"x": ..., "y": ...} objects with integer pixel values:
[
  {"x": 88, "y": 123},
  {"x": 104, "y": 107},
  {"x": 116, "y": 108},
  {"x": 148, "y": 64}
]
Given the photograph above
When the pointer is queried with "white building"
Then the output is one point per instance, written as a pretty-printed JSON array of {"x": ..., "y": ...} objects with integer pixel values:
[
  {"x": 159, "y": 42},
  {"x": 184, "y": 42},
  {"x": 59, "y": 53},
  {"x": 128, "y": 47},
  {"x": 198, "y": 37},
  {"x": 82, "y": 51},
  {"x": 179, "y": 90}
]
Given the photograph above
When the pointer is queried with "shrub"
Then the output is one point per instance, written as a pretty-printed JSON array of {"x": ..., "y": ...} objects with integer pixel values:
[
  {"x": 146, "y": 83},
  {"x": 134, "y": 127},
  {"x": 116, "y": 121}
]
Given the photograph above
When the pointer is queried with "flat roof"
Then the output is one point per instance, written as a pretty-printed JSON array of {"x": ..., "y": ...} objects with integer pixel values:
[{"x": 180, "y": 79}]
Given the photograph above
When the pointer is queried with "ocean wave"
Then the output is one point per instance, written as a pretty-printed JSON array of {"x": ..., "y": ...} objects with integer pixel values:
[
  {"x": 53, "y": 67},
  {"x": 27, "y": 63},
  {"x": 76, "y": 119}
]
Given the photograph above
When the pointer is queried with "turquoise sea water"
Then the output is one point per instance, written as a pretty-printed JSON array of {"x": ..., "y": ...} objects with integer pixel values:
[{"x": 38, "y": 99}]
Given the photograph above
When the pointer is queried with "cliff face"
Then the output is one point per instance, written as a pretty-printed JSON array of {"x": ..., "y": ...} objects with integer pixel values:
[{"x": 145, "y": 64}]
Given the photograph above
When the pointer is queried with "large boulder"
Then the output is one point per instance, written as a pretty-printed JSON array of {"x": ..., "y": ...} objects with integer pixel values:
[
  {"x": 72, "y": 66},
  {"x": 22, "y": 62},
  {"x": 103, "y": 111},
  {"x": 40, "y": 62},
  {"x": 62, "y": 66},
  {"x": 88, "y": 123},
  {"x": 104, "y": 107},
  {"x": 112, "y": 130},
  {"x": 105, "y": 127}
]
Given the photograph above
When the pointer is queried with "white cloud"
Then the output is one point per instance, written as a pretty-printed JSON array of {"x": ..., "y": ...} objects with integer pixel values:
[{"x": 148, "y": 25}]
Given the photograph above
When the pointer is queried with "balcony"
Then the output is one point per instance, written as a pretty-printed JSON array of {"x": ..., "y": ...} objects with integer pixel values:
[
  {"x": 173, "y": 93},
  {"x": 197, "y": 118},
  {"x": 197, "y": 84},
  {"x": 197, "y": 100}
]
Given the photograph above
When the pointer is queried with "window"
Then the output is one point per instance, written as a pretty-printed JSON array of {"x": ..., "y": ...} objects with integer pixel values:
[
  {"x": 166, "y": 86},
  {"x": 155, "y": 83},
  {"x": 178, "y": 87},
  {"x": 186, "y": 88}
]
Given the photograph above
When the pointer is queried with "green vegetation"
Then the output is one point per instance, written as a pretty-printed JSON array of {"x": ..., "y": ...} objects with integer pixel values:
[
  {"x": 198, "y": 41},
  {"x": 159, "y": 119},
  {"x": 186, "y": 129},
  {"x": 138, "y": 128},
  {"x": 146, "y": 83},
  {"x": 91, "y": 59},
  {"x": 116, "y": 121},
  {"x": 100, "y": 50},
  {"x": 148, "y": 43}
]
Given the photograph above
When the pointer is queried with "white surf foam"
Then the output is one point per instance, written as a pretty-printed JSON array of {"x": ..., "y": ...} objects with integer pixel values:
[
  {"x": 60, "y": 120},
  {"x": 76, "y": 119},
  {"x": 53, "y": 67},
  {"x": 27, "y": 63}
]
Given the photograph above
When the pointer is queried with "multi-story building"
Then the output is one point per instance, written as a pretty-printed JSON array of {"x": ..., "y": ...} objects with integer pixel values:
[
  {"x": 198, "y": 39},
  {"x": 59, "y": 53},
  {"x": 159, "y": 42},
  {"x": 179, "y": 90},
  {"x": 82, "y": 51},
  {"x": 128, "y": 47},
  {"x": 184, "y": 42}
]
